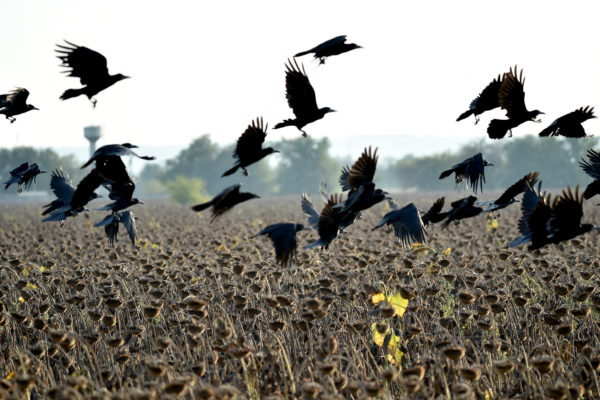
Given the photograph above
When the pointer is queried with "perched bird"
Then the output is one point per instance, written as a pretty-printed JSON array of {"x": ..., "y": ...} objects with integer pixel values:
[
  {"x": 111, "y": 226},
  {"x": 462, "y": 209},
  {"x": 91, "y": 69},
  {"x": 569, "y": 125},
  {"x": 116, "y": 150},
  {"x": 508, "y": 197},
  {"x": 487, "y": 100},
  {"x": 407, "y": 223},
  {"x": 512, "y": 99},
  {"x": 23, "y": 175},
  {"x": 225, "y": 201},
  {"x": 301, "y": 99},
  {"x": 546, "y": 220},
  {"x": 63, "y": 190},
  {"x": 15, "y": 103},
  {"x": 328, "y": 224},
  {"x": 591, "y": 166},
  {"x": 332, "y": 47},
  {"x": 283, "y": 236},
  {"x": 248, "y": 149},
  {"x": 470, "y": 170},
  {"x": 434, "y": 214}
]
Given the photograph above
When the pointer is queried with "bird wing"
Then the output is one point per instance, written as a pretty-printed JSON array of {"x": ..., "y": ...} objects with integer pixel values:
[
  {"x": 343, "y": 179},
  {"x": 250, "y": 143},
  {"x": 567, "y": 211},
  {"x": 61, "y": 186},
  {"x": 475, "y": 171},
  {"x": 329, "y": 220},
  {"x": 20, "y": 170},
  {"x": 591, "y": 166},
  {"x": 84, "y": 63},
  {"x": 363, "y": 170},
  {"x": 128, "y": 220},
  {"x": 407, "y": 223},
  {"x": 299, "y": 92},
  {"x": 85, "y": 189},
  {"x": 582, "y": 114},
  {"x": 336, "y": 41},
  {"x": 512, "y": 95},
  {"x": 535, "y": 212},
  {"x": 310, "y": 212},
  {"x": 18, "y": 96},
  {"x": 434, "y": 210},
  {"x": 517, "y": 188},
  {"x": 488, "y": 98},
  {"x": 283, "y": 237}
]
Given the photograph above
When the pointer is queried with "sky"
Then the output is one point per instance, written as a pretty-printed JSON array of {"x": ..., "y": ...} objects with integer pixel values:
[{"x": 212, "y": 67}]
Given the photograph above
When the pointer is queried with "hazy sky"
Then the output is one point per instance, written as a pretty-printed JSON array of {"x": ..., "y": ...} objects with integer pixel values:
[{"x": 211, "y": 67}]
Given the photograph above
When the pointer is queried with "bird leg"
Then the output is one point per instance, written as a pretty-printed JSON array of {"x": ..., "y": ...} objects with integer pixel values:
[
  {"x": 304, "y": 134},
  {"x": 476, "y": 119},
  {"x": 11, "y": 119},
  {"x": 245, "y": 171},
  {"x": 94, "y": 101}
]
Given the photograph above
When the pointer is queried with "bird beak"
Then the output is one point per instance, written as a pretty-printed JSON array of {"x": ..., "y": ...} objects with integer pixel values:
[
  {"x": 35, "y": 108},
  {"x": 126, "y": 77},
  {"x": 490, "y": 164},
  {"x": 276, "y": 151},
  {"x": 140, "y": 202}
]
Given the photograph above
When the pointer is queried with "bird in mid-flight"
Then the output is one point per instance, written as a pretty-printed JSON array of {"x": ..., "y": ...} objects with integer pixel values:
[
  {"x": 434, "y": 214},
  {"x": 328, "y": 223},
  {"x": 471, "y": 171},
  {"x": 15, "y": 103},
  {"x": 111, "y": 226},
  {"x": 508, "y": 197},
  {"x": 591, "y": 166},
  {"x": 569, "y": 125},
  {"x": 24, "y": 175},
  {"x": 248, "y": 149},
  {"x": 225, "y": 201},
  {"x": 63, "y": 190},
  {"x": 462, "y": 209},
  {"x": 487, "y": 100},
  {"x": 512, "y": 99},
  {"x": 283, "y": 236},
  {"x": 91, "y": 69},
  {"x": 407, "y": 224},
  {"x": 301, "y": 99},
  {"x": 331, "y": 47},
  {"x": 116, "y": 150}
]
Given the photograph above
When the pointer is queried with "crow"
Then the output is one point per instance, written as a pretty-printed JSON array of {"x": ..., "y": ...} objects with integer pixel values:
[
  {"x": 24, "y": 175},
  {"x": 508, "y": 197},
  {"x": 301, "y": 99},
  {"x": 434, "y": 214},
  {"x": 461, "y": 209},
  {"x": 91, "y": 69},
  {"x": 328, "y": 224},
  {"x": 347, "y": 218},
  {"x": 512, "y": 99},
  {"x": 407, "y": 223},
  {"x": 111, "y": 226},
  {"x": 470, "y": 170},
  {"x": 225, "y": 201},
  {"x": 569, "y": 125},
  {"x": 332, "y": 47},
  {"x": 546, "y": 220},
  {"x": 63, "y": 190},
  {"x": 116, "y": 150},
  {"x": 283, "y": 236},
  {"x": 487, "y": 100},
  {"x": 592, "y": 168},
  {"x": 248, "y": 149},
  {"x": 15, "y": 103}
]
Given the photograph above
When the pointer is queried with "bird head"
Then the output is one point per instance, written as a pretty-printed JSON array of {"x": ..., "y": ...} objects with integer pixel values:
[
  {"x": 487, "y": 164},
  {"x": 353, "y": 46},
  {"x": 129, "y": 145},
  {"x": 534, "y": 114},
  {"x": 270, "y": 150},
  {"x": 120, "y": 77},
  {"x": 326, "y": 110},
  {"x": 31, "y": 107}
]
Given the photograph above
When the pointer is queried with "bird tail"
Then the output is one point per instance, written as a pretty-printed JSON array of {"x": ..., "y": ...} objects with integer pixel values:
[
  {"x": 202, "y": 206},
  {"x": 70, "y": 93},
  {"x": 230, "y": 171},
  {"x": 302, "y": 53},
  {"x": 547, "y": 132},
  {"x": 464, "y": 115},
  {"x": 497, "y": 128},
  {"x": 286, "y": 122},
  {"x": 446, "y": 173}
]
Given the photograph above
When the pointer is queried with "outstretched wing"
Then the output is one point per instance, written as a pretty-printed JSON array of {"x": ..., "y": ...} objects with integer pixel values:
[
  {"x": 433, "y": 212},
  {"x": 85, "y": 189},
  {"x": 283, "y": 237},
  {"x": 407, "y": 223},
  {"x": 363, "y": 170},
  {"x": 84, "y": 63},
  {"x": 329, "y": 220},
  {"x": 61, "y": 186},
  {"x": 20, "y": 170},
  {"x": 128, "y": 220},
  {"x": 591, "y": 166},
  {"x": 517, "y": 188},
  {"x": 476, "y": 172},
  {"x": 567, "y": 211},
  {"x": 299, "y": 92},
  {"x": 310, "y": 212},
  {"x": 18, "y": 96},
  {"x": 250, "y": 143},
  {"x": 512, "y": 95}
]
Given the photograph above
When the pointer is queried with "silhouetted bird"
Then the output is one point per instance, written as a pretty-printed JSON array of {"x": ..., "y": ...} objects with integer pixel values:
[
  {"x": 546, "y": 220},
  {"x": 225, "y": 201},
  {"x": 332, "y": 47},
  {"x": 24, "y": 175},
  {"x": 346, "y": 218},
  {"x": 508, "y": 197},
  {"x": 434, "y": 214},
  {"x": 592, "y": 168},
  {"x": 461, "y": 209},
  {"x": 301, "y": 99},
  {"x": 111, "y": 226},
  {"x": 407, "y": 223},
  {"x": 471, "y": 170},
  {"x": 512, "y": 99},
  {"x": 328, "y": 224},
  {"x": 569, "y": 125},
  {"x": 248, "y": 149},
  {"x": 15, "y": 103},
  {"x": 116, "y": 150},
  {"x": 487, "y": 100},
  {"x": 91, "y": 69},
  {"x": 63, "y": 190},
  {"x": 283, "y": 236}
]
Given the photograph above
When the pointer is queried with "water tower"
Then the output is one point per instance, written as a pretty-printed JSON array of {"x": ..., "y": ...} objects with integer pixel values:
[{"x": 92, "y": 134}]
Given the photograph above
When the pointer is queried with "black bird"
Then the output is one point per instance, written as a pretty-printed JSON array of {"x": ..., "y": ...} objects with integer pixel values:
[
  {"x": 225, "y": 201},
  {"x": 407, "y": 223},
  {"x": 569, "y": 125},
  {"x": 591, "y": 166},
  {"x": 15, "y": 103},
  {"x": 434, "y": 214},
  {"x": 347, "y": 218},
  {"x": 332, "y": 47},
  {"x": 116, "y": 150},
  {"x": 111, "y": 226},
  {"x": 328, "y": 224},
  {"x": 512, "y": 99},
  {"x": 301, "y": 99},
  {"x": 63, "y": 190},
  {"x": 91, "y": 69},
  {"x": 471, "y": 170},
  {"x": 24, "y": 175},
  {"x": 487, "y": 100},
  {"x": 508, "y": 197},
  {"x": 248, "y": 149},
  {"x": 546, "y": 220},
  {"x": 283, "y": 236},
  {"x": 461, "y": 209}
]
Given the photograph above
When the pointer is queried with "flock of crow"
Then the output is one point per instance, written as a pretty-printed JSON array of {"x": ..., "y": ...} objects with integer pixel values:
[{"x": 544, "y": 219}]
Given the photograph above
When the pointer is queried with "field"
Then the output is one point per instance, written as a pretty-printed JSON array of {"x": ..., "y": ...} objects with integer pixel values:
[{"x": 199, "y": 310}]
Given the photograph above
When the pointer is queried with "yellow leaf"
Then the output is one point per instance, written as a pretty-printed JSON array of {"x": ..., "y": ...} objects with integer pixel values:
[
  {"x": 447, "y": 251},
  {"x": 30, "y": 286},
  {"x": 43, "y": 269},
  {"x": 11, "y": 375},
  {"x": 378, "y": 338},
  {"x": 21, "y": 299},
  {"x": 376, "y": 298},
  {"x": 399, "y": 303},
  {"x": 489, "y": 394}
]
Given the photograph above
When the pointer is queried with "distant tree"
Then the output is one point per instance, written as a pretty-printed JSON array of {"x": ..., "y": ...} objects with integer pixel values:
[{"x": 185, "y": 190}]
